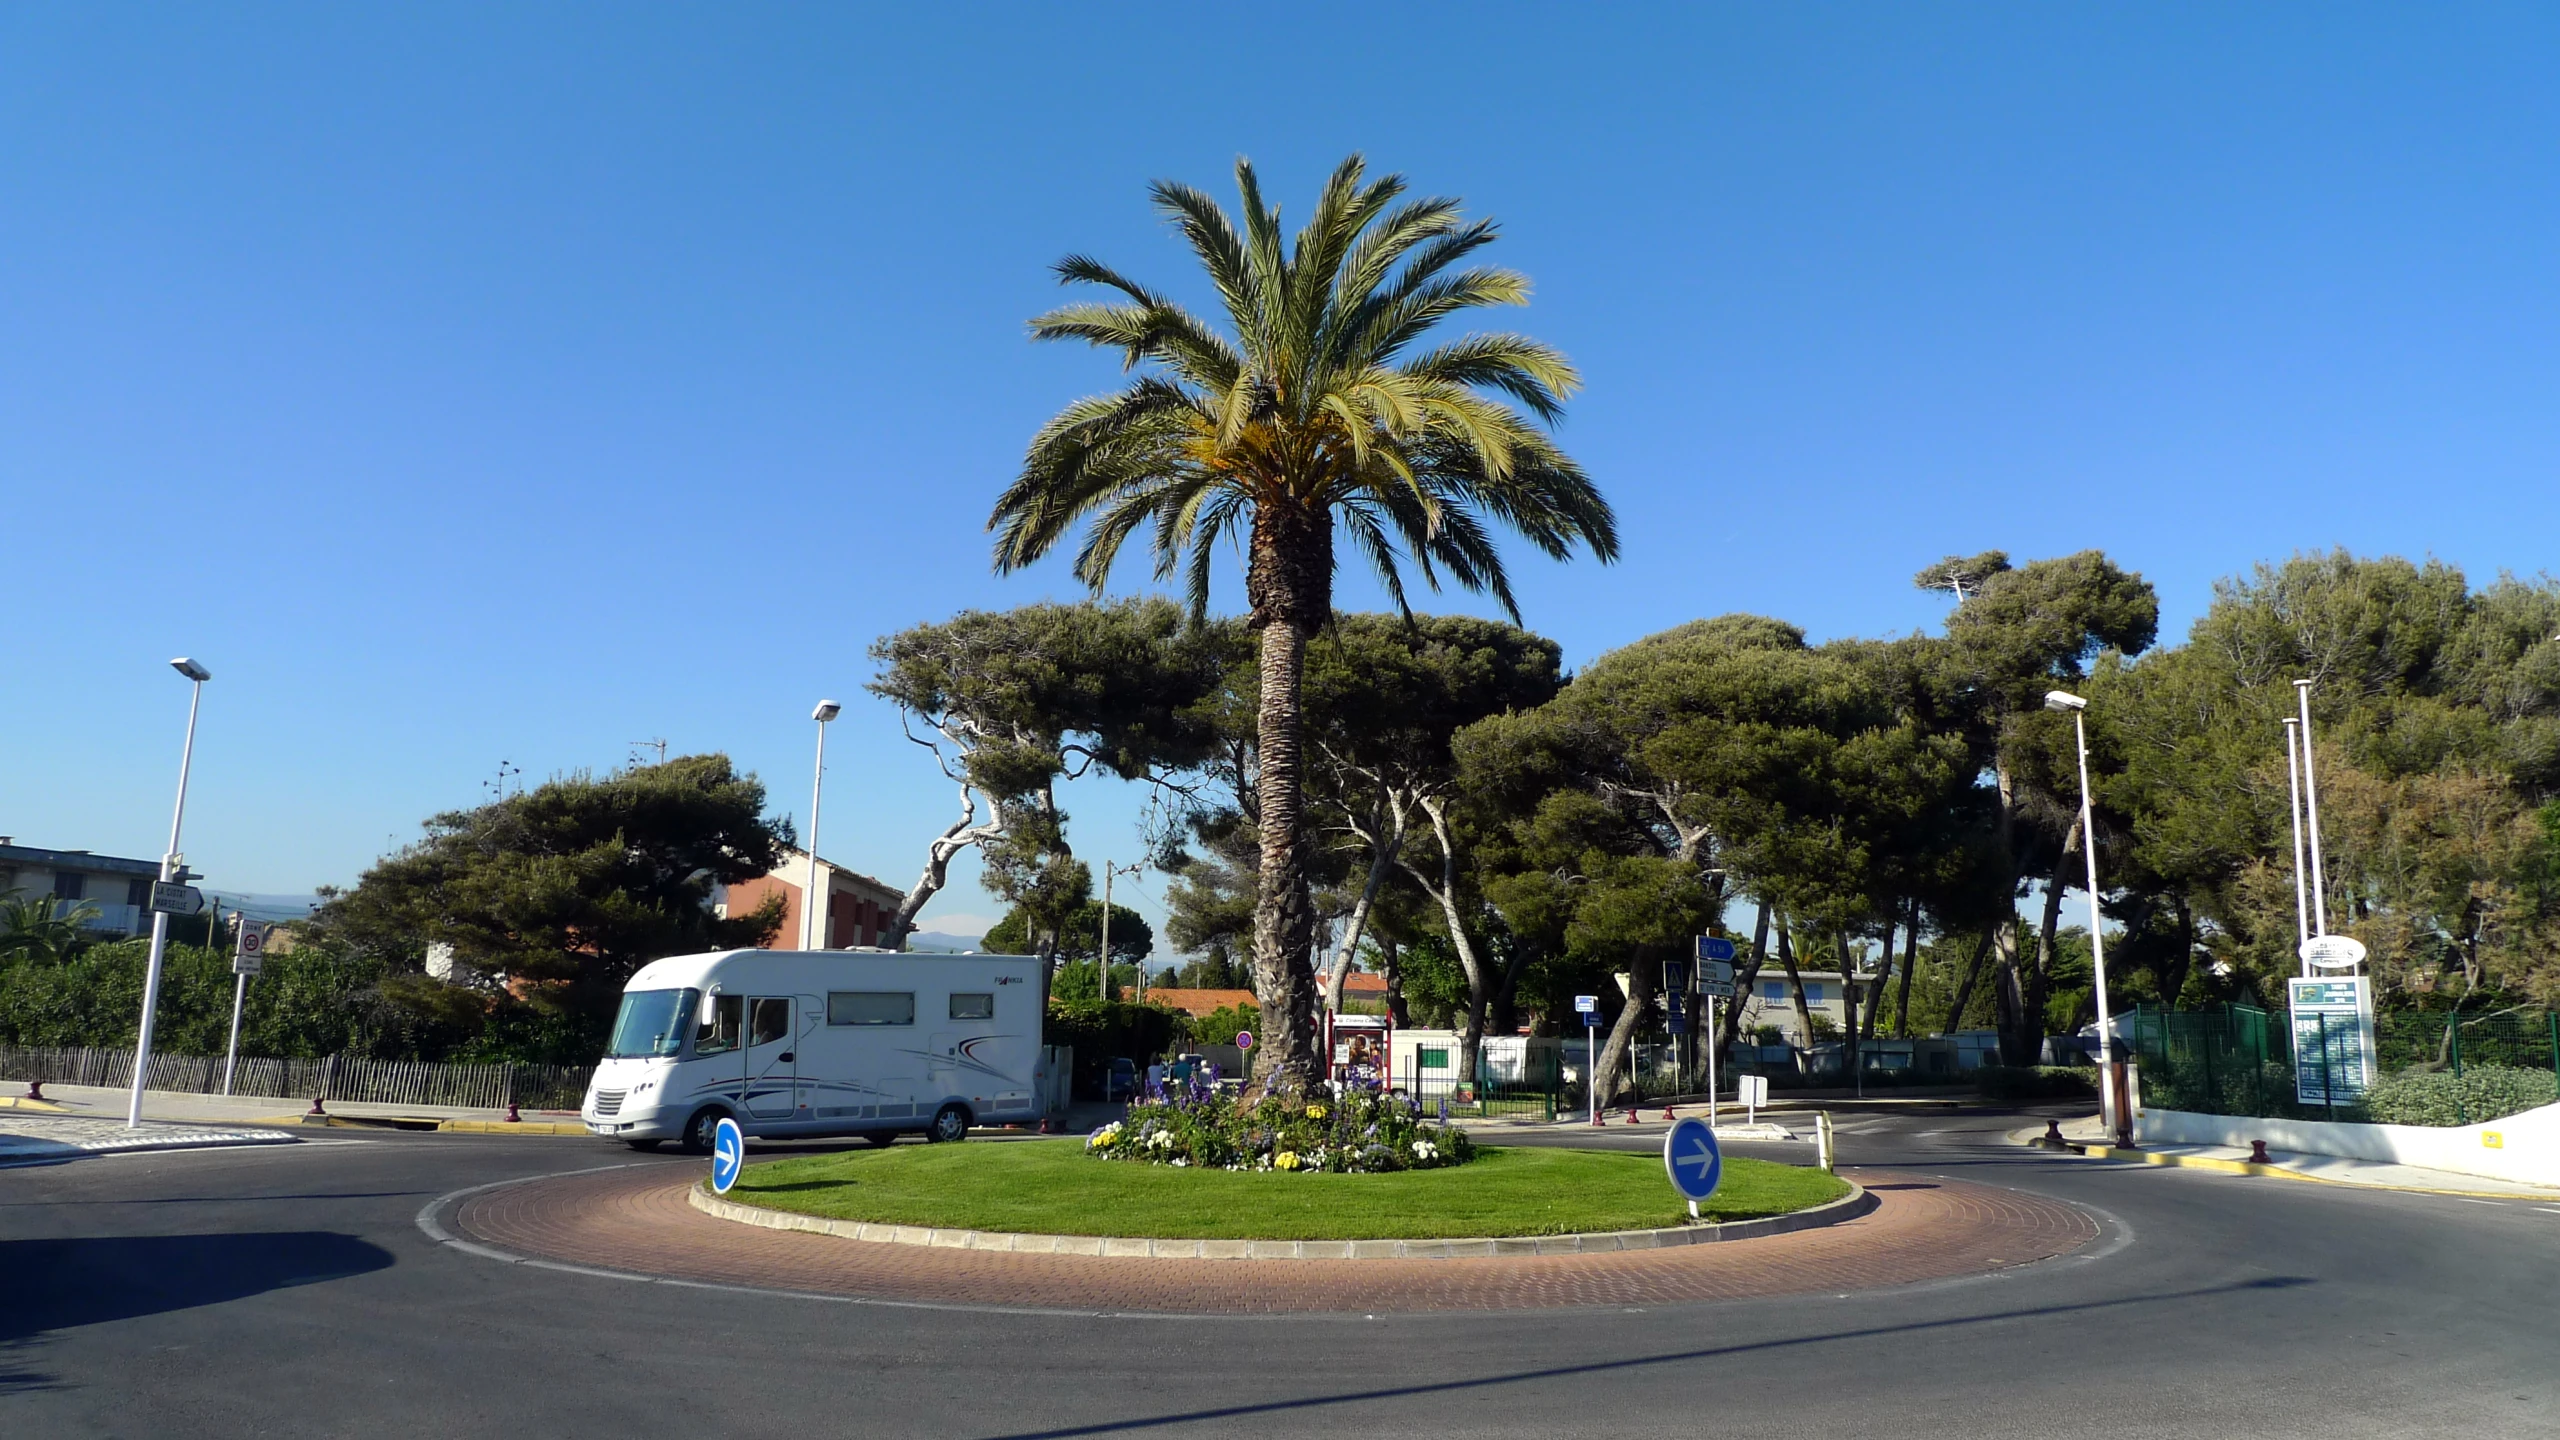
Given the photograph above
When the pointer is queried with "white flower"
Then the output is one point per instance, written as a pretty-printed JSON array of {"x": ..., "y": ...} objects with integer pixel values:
[
  {"x": 1180, "y": 1163},
  {"x": 1424, "y": 1150}
]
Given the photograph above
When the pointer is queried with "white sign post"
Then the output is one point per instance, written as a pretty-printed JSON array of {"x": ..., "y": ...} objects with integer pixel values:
[
  {"x": 1714, "y": 979},
  {"x": 1589, "y": 1006},
  {"x": 246, "y": 958}
]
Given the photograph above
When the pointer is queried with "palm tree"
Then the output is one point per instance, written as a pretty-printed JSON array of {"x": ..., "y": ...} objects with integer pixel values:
[
  {"x": 45, "y": 931},
  {"x": 1309, "y": 415}
]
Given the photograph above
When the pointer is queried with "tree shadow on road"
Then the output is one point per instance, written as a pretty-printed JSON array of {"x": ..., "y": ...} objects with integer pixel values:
[{"x": 60, "y": 1283}]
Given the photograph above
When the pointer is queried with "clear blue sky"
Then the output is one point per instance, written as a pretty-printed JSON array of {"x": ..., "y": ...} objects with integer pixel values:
[{"x": 521, "y": 381}]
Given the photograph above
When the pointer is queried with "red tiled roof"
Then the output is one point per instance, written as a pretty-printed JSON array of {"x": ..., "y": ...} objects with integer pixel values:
[{"x": 1196, "y": 1003}]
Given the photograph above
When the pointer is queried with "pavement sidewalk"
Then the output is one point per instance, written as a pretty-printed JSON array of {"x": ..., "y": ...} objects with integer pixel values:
[
  {"x": 2090, "y": 1137},
  {"x": 187, "y": 1108}
]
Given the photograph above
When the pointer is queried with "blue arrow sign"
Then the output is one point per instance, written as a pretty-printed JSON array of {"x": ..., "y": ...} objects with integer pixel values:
[
  {"x": 1690, "y": 1156},
  {"x": 1714, "y": 947},
  {"x": 728, "y": 1152}
]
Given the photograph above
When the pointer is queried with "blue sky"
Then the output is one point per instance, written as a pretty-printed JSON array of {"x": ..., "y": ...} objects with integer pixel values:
[{"x": 517, "y": 382}]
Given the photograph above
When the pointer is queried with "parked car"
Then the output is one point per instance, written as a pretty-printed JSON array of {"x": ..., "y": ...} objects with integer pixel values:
[{"x": 1121, "y": 1080}]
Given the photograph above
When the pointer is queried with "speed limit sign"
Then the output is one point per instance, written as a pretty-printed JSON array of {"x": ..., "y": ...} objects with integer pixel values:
[{"x": 252, "y": 951}]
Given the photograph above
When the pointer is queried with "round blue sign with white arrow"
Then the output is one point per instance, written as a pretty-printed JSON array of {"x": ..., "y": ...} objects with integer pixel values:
[
  {"x": 1689, "y": 1153},
  {"x": 728, "y": 1153}
]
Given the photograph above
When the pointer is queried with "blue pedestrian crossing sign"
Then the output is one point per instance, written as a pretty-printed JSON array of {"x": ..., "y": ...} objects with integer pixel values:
[
  {"x": 728, "y": 1152},
  {"x": 1696, "y": 1166}
]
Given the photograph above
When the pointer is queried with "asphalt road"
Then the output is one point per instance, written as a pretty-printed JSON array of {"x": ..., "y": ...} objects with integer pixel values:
[{"x": 288, "y": 1290}]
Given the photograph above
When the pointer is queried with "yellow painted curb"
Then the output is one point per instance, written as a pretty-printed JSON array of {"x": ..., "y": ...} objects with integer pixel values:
[
  {"x": 21, "y": 1102},
  {"x": 518, "y": 1127},
  {"x": 2280, "y": 1172}
]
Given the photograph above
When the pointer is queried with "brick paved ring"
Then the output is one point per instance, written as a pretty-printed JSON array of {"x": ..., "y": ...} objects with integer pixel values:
[
  {"x": 1848, "y": 1207},
  {"x": 635, "y": 1219}
]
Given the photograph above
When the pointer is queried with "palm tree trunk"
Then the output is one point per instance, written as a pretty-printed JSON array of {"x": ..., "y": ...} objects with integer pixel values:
[{"x": 1284, "y": 918}]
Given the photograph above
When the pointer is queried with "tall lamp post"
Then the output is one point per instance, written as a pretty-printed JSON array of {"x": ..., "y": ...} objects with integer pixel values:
[
  {"x": 2108, "y": 1087},
  {"x": 812, "y": 932},
  {"x": 196, "y": 674}
]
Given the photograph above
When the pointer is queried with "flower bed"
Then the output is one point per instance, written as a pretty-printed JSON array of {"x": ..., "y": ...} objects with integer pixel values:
[{"x": 1356, "y": 1133}]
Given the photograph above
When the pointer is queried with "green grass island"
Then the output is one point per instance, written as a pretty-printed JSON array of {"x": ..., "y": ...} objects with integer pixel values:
[{"x": 1051, "y": 1187}]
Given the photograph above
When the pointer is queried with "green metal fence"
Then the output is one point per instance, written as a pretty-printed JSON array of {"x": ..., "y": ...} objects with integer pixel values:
[{"x": 2436, "y": 1064}]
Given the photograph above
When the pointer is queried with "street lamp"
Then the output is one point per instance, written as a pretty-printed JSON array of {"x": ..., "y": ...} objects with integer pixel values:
[
  {"x": 2064, "y": 700},
  {"x": 196, "y": 675},
  {"x": 810, "y": 932}
]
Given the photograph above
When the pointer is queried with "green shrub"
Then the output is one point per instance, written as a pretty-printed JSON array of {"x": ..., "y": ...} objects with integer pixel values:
[
  {"x": 1101, "y": 1032},
  {"x": 1360, "y": 1132},
  {"x": 2440, "y": 1097},
  {"x": 2036, "y": 1082}
]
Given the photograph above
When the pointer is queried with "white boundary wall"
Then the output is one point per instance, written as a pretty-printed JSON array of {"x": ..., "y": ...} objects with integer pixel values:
[{"x": 2523, "y": 1147}]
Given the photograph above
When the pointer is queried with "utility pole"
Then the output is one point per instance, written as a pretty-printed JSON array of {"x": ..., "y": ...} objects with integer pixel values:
[{"x": 1102, "y": 962}]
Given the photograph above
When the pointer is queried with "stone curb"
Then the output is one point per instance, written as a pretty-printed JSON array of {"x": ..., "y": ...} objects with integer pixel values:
[{"x": 1848, "y": 1207}]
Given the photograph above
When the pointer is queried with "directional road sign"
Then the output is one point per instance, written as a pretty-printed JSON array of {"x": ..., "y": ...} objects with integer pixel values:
[
  {"x": 1586, "y": 1004},
  {"x": 1690, "y": 1157},
  {"x": 1720, "y": 989},
  {"x": 1719, "y": 971},
  {"x": 168, "y": 897},
  {"x": 728, "y": 1152},
  {"x": 1714, "y": 947}
]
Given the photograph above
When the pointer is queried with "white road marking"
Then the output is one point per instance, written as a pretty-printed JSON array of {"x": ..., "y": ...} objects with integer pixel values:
[
  {"x": 2467, "y": 1200},
  {"x": 2548, "y": 1209}
]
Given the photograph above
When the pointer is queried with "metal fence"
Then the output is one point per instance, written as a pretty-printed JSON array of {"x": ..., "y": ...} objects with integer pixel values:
[
  {"x": 2238, "y": 1059},
  {"x": 336, "y": 1077},
  {"x": 1538, "y": 1092}
]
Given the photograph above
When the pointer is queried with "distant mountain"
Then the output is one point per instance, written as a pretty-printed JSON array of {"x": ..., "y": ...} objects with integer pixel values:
[{"x": 937, "y": 942}]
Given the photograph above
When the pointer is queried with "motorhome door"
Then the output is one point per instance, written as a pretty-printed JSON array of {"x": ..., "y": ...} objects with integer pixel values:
[{"x": 773, "y": 1059}]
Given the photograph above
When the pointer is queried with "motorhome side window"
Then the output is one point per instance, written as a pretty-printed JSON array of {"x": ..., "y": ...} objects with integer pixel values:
[
  {"x": 973, "y": 1007},
  {"x": 871, "y": 1007},
  {"x": 719, "y": 1031}
]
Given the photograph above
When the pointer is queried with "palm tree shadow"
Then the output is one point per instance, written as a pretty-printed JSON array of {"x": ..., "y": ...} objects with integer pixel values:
[{"x": 57, "y": 1284}]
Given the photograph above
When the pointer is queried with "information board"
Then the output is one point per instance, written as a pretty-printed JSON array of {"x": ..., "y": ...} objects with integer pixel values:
[{"x": 2333, "y": 1049}]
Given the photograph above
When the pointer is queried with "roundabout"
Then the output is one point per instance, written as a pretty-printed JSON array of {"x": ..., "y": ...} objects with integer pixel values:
[{"x": 640, "y": 1221}]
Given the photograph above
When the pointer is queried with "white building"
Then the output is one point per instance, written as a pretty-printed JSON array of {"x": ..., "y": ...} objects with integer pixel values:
[{"x": 120, "y": 888}]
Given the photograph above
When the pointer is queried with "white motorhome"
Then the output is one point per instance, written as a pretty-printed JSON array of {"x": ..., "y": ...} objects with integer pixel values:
[{"x": 830, "y": 1042}]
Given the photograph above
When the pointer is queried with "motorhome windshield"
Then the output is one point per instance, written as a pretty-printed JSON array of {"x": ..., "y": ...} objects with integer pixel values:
[{"x": 652, "y": 1022}]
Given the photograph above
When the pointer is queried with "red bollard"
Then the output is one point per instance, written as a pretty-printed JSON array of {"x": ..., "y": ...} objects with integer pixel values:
[
  {"x": 1632, "y": 1117},
  {"x": 1667, "y": 1113},
  {"x": 512, "y": 1117},
  {"x": 2052, "y": 1137},
  {"x": 35, "y": 1090},
  {"x": 2258, "y": 1153},
  {"x": 315, "y": 1107}
]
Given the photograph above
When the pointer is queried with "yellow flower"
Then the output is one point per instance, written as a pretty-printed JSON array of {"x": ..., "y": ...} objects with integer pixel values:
[
  {"x": 1285, "y": 1160},
  {"x": 1315, "y": 1112}
]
